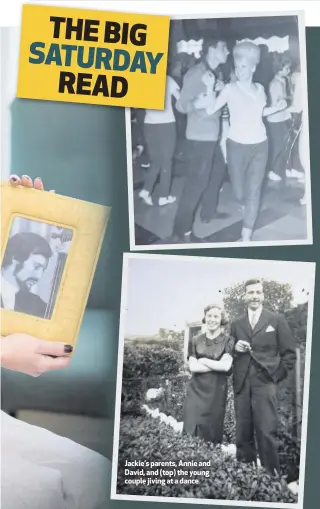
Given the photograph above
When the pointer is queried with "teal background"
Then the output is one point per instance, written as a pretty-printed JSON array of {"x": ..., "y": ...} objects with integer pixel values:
[
  {"x": 81, "y": 152},
  {"x": 294, "y": 253}
]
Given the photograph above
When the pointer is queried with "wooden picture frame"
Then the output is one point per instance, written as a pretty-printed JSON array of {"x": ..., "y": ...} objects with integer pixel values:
[{"x": 79, "y": 228}]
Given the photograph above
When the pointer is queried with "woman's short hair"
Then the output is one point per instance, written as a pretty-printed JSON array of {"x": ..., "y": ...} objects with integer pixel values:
[
  {"x": 281, "y": 60},
  {"x": 224, "y": 316},
  {"x": 248, "y": 51}
]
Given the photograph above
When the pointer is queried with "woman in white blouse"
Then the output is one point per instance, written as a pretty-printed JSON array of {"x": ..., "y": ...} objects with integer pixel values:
[{"x": 247, "y": 144}]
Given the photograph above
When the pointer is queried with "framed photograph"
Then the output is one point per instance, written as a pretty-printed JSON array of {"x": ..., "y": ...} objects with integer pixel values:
[
  {"x": 50, "y": 245},
  {"x": 213, "y": 381},
  {"x": 226, "y": 163}
]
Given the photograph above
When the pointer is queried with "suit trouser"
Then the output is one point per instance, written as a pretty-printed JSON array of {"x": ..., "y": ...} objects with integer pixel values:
[
  {"x": 210, "y": 198},
  {"x": 247, "y": 168},
  {"x": 199, "y": 167},
  {"x": 256, "y": 412}
]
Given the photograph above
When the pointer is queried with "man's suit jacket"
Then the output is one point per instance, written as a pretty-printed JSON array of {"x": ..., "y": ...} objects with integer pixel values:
[
  {"x": 29, "y": 303},
  {"x": 272, "y": 343}
]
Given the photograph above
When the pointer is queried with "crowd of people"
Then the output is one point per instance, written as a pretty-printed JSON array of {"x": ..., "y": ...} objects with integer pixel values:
[{"x": 231, "y": 124}]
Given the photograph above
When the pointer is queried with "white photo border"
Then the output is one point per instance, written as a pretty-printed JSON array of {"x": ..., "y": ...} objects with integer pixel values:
[
  {"x": 206, "y": 245},
  {"x": 116, "y": 433}
]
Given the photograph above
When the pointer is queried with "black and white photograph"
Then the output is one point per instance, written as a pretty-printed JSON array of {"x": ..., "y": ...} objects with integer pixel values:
[
  {"x": 32, "y": 266},
  {"x": 213, "y": 380},
  {"x": 226, "y": 163}
]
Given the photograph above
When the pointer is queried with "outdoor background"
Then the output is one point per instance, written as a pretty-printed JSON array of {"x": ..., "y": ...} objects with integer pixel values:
[{"x": 163, "y": 296}]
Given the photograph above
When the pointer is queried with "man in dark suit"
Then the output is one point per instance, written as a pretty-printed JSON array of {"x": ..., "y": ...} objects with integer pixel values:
[
  {"x": 25, "y": 260},
  {"x": 264, "y": 353}
]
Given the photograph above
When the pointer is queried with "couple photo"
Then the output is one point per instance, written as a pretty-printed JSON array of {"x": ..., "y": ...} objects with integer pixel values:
[
  {"x": 221, "y": 382},
  {"x": 227, "y": 158},
  {"x": 260, "y": 352}
]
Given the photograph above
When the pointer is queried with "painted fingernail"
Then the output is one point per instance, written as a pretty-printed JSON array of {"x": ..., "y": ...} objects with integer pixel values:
[
  {"x": 14, "y": 178},
  {"x": 26, "y": 177},
  {"x": 39, "y": 178},
  {"x": 68, "y": 348}
]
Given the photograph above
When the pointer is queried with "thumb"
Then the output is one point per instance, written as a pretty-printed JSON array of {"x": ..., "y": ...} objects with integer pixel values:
[
  {"x": 56, "y": 348},
  {"x": 49, "y": 364}
]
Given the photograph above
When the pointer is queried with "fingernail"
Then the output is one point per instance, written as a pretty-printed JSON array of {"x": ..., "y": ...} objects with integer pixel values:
[
  {"x": 68, "y": 348},
  {"x": 39, "y": 178},
  {"x": 26, "y": 177},
  {"x": 13, "y": 178}
]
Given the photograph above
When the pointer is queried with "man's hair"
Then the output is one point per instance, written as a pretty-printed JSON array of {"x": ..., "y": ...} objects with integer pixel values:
[
  {"x": 22, "y": 245},
  {"x": 253, "y": 281},
  {"x": 210, "y": 41},
  {"x": 281, "y": 60},
  {"x": 248, "y": 51}
]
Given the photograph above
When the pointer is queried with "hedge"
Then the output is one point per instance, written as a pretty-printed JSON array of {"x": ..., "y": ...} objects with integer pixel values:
[
  {"x": 150, "y": 367},
  {"x": 144, "y": 361},
  {"x": 145, "y": 438}
]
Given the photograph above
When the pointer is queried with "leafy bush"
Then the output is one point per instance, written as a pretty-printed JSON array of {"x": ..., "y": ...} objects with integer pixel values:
[
  {"x": 153, "y": 366},
  {"x": 145, "y": 367},
  {"x": 144, "y": 438},
  {"x": 174, "y": 343},
  {"x": 297, "y": 318},
  {"x": 144, "y": 361}
]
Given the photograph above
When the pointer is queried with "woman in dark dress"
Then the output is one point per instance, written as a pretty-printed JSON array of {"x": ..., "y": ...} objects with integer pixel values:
[{"x": 210, "y": 361}]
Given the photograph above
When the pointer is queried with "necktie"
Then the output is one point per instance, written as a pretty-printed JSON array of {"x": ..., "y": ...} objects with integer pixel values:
[{"x": 253, "y": 320}]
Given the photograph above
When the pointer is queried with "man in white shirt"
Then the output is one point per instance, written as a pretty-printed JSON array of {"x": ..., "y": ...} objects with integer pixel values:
[
  {"x": 264, "y": 354},
  {"x": 25, "y": 259}
]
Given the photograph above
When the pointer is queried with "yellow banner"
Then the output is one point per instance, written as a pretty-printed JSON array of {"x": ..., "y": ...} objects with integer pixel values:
[{"x": 94, "y": 57}]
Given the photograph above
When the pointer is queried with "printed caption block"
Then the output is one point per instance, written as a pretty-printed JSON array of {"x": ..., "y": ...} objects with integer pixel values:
[{"x": 94, "y": 57}]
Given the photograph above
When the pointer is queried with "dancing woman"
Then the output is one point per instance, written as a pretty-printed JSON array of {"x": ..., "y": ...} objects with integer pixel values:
[{"x": 247, "y": 144}]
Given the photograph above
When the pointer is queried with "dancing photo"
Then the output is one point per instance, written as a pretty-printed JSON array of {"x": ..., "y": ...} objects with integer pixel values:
[
  {"x": 213, "y": 380},
  {"x": 32, "y": 266},
  {"x": 227, "y": 161}
]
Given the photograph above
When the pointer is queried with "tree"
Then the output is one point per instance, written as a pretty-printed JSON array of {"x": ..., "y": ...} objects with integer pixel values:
[
  {"x": 297, "y": 318},
  {"x": 277, "y": 297}
]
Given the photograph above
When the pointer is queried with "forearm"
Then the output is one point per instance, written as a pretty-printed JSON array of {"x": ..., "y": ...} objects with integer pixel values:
[
  {"x": 196, "y": 367},
  {"x": 2, "y": 352},
  {"x": 185, "y": 100},
  {"x": 270, "y": 110},
  {"x": 200, "y": 368},
  {"x": 217, "y": 104},
  {"x": 223, "y": 365}
]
